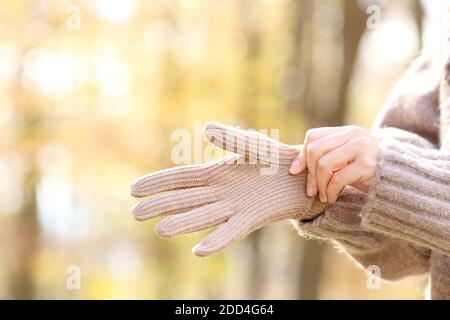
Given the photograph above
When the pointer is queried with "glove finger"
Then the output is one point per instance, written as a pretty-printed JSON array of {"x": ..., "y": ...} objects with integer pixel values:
[
  {"x": 175, "y": 178},
  {"x": 197, "y": 219},
  {"x": 236, "y": 229},
  {"x": 173, "y": 202},
  {"x": 254, "y": 146}
]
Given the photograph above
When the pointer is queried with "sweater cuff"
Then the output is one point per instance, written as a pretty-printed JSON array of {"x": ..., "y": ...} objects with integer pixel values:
[
  {"x": 410, "y": 195},
  {"x": 341, "y": 224}
]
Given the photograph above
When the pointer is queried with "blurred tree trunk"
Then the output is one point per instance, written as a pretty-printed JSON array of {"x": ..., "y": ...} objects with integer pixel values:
[
  {"x": 418, "y": 18},
  {"x": 27, "y": 230},
  {"x": 302, "y": 39},
  {"x": 354, "y": 28},
  {"x": 354, "y": 23},
  {"x": 22, "y": 283}
]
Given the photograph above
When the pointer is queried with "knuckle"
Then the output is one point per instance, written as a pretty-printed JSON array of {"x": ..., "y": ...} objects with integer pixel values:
[
  {"x": 356, "y": 130},
  {"x": 322, "y": 164},
  {"x": 311, "y": 135},
  {"x": 352, "y": 128},
  {"x": 312, "y": 150},
  {"x": 367, "y": 162},
  {"x": 364, "y": 141}
]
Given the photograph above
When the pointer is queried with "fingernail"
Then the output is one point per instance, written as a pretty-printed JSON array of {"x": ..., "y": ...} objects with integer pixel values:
[
  {"x": 295, "y": 166},
  {"x": 323, "y": 199},
  {"x": 309, "y": 190}
]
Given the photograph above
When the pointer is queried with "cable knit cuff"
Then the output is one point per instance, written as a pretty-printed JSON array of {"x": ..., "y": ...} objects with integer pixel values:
[
  {"x": 341, "y": 223},
  {"x": 410, "y": 196}
]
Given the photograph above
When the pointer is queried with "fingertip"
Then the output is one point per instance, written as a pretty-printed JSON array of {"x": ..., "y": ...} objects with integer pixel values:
[
  {"x": 136, "y": 212},
  {"x": 163, "y": 229},
  {"x": 309, "y": 189},
  {"x": 332, "y": 196},
  {"x": 139, "y": 187},
  {"x": 134, "y": 188},
  {"x": 210, "y": 125},
  {"x": 297, "y": 166},
  {"x": 137, "y": 193},
  {"x": 201, "y": 251},
  {"x": 211, "y": 130}
]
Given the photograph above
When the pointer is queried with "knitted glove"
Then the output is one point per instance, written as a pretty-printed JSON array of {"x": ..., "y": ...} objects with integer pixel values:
[{"x": 239, "y": 193}]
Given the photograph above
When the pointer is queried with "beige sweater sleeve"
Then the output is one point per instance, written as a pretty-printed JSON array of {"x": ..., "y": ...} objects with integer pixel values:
[
  {"x": 341, "y": 225},
  {"x": 439, "y": 262},
  {"x": 409, "y": 198}
]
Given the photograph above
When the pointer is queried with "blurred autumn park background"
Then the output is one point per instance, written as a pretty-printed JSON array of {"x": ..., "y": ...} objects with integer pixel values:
[{"x": 90, "y": 92}]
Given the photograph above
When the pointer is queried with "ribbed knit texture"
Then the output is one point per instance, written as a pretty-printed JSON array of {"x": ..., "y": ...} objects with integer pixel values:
[
  {"x": 440, "y": 263},
  {"x": 410, "y": 197},
  {"x": 234, "y": 192}
]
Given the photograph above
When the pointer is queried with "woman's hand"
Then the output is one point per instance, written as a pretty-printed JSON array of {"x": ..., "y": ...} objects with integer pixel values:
[{"x": 336, "y": 157}]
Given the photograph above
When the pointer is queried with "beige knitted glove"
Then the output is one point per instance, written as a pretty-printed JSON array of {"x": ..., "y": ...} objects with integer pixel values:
[{"x": 241, "y": 192}]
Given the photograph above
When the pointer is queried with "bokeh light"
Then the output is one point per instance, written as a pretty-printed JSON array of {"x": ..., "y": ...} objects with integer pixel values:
[{"x": 115, "y": 11}]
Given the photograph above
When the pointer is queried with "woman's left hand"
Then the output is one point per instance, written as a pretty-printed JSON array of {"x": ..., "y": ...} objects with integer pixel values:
[{"x": 336, "y": 157}]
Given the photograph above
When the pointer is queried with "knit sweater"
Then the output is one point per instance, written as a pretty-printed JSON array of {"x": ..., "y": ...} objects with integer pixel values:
[{"x": 403, "y": 224}]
